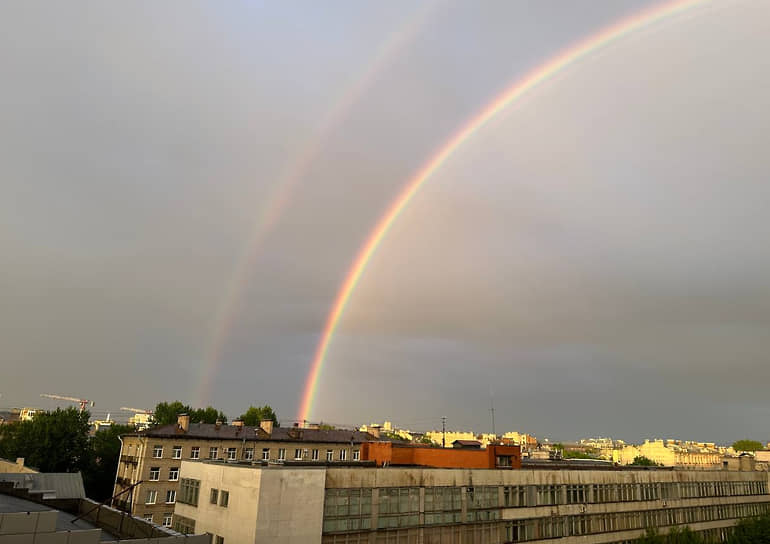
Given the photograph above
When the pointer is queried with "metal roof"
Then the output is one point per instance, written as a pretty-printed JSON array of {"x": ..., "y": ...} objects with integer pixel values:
[
  {"x": 64, "y": 485},
  {"x": 211, "y": 431}
]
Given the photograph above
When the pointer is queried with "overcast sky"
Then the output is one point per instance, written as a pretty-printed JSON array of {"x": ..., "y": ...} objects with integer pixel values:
[{"x": 595, "y": 260}]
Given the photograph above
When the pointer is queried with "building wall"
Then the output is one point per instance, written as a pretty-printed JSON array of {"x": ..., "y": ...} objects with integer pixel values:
[
  {"x": 137, "y": 461},
  {"x": 391, "y": 454}
]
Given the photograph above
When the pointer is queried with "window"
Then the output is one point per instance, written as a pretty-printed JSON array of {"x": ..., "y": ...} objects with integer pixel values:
[
  {"x": 152, "y": 496},
  {"x": 167, "y": 519},
  {"x": 219, "y": 539},
  {"x": 347, "y": 510},
  {"x": 315, "y": 455},
  {"x": 248, "y": 454},
  {"x": 214, "y": 496},
  {"x": 195, "y": 452},
  {"x": 343, "y": 455},
  {"x": 298, "y": 453},
  {"x": 329, "y": 455},
  {"x": 170, "y": 497},
  {"x": 188, "y": 491},
  {"x": 231, "y": 452},
  {"x": 356, "y": 455},
  {"x": 281, "y": 454},
  {"x": 147, "y": 517},
  {"x": 157, "y": 451},
  {"x": 224, "y": 498},
  {"x": 173, "y": 474},
  {"x": 265, "y": 454},
  {"x": 213, "y": 451},
  {"x": 176, "y": 453},
  {"x": 576, "y": 494},
  {"x": 184, "y": 525},
  {"x": 154, "y": 474}
]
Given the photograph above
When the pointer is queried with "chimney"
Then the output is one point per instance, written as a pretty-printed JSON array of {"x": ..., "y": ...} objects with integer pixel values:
[
  {"x": 238, "y": 423},
  {"x": 218, "y": 423},
  {"x": 267, "y": 425},
  {"x": 183, "y": 420},
  {"x": 374, "y": 430}
]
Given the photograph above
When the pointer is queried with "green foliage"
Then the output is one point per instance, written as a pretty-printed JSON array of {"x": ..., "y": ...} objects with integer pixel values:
[
  {"x": 684, "y": 535},
  {"x": 326, "y": 427},
  {"x": 751, "y": 531},
  {"x": 394, "y": 436},
  {"x": 426, "y": 440},
  {"x": 255, "y": 414},
  {"x": 642, "y": 461},
  {"x": 747, "y": 445},
  {"x": 52, "y": 441},
  {"x": 166, "y": 413},
  {"x": 100, "y": 475},
  {"x": 573, "y": 454},
  {"x": 558, "y": 446}
]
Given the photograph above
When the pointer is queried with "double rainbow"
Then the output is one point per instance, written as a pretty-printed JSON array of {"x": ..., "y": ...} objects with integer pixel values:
[{"x": 521, "y": 87}]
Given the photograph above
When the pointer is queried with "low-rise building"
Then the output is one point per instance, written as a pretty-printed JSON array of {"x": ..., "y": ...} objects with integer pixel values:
[
  {"x": 152, "y": 458},
  {"x": 329, "y": 505}
]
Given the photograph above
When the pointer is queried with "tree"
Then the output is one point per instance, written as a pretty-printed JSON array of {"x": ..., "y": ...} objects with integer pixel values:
[
  {"x": 642, "y": 461},
  {"x": 685, "y": 535},
  {"x": 166, "y": 413},
  {"x": 100, "y": 474},
  {"x": 255, "y": 414},
  {"x": 747, "y": 445},
  {"x": 51, "y": 442},
  {"x": 751, "y": 531},
  {"x": 426, "y": 440}
]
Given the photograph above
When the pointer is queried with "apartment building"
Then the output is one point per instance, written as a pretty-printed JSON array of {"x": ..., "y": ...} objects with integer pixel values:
[
  {"x": 148, "y": 473},
  {"x": 333, "y": 505}
]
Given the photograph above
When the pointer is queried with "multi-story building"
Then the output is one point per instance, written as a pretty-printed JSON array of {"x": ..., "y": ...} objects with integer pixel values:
[
  {"x": 147, "y": 478},
  {"x": 331, "y": 505},
  {"x": 673, "y": 453}
]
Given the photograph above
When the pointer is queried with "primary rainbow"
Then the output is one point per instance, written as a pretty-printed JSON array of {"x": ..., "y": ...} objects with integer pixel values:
[{"x": 510, "y": 95}]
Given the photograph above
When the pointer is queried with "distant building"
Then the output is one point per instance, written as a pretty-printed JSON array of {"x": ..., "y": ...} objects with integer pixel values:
[
  {"x": 672, "y": 453},
  {"x": 26, "y": 414},
  {"x": 9, "y": 416},
  {"x": 154, "y": 456},
  {"x": 330, "y": 505}
]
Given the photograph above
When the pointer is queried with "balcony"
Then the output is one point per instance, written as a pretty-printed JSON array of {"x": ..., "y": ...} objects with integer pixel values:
[
  {"x": 125, "y": 506},
  {"x": 125, "y": 482},
  {"x": 129, "y": 459}
]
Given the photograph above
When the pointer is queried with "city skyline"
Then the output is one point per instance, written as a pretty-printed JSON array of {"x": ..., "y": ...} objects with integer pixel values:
[{"x": 183, "y": 200}]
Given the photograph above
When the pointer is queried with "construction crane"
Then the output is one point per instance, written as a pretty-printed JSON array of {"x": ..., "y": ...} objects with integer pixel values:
[
  {"x": 136, "y": 410},
  {"x": 84, "y": 403}
]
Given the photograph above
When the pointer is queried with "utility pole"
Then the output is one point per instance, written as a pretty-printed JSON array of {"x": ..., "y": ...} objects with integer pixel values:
[
  {"x": 443, "y": 431},
  {"x": 492, "y": 411}
]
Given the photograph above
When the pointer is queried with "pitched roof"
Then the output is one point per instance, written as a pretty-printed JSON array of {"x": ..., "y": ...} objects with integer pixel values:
[{"x": 210, "y": 431}]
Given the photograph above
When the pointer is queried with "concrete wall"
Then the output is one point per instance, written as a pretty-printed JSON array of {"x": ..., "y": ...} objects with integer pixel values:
[{"x": 291, "y": 506}]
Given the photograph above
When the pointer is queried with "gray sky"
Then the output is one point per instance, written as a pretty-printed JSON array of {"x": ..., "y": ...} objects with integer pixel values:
[{"x": 595, "y": 258}]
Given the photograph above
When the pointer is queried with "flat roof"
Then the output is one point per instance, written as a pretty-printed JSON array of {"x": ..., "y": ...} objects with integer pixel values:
[{"x": 13, "y": 505}]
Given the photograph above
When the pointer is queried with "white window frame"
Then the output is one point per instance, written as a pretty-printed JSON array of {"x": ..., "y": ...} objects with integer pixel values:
[
  {"x": 176, "y": 452},
  {"x": 315, "y": 455},
  {"x": 265, "y": 454},
  {"x": 171, "y": 477},
  {"x": 356, "y": 455},
  {"x": 282, "y": 454},
  {"x": 151, "y": 494},
  {"x": 343, "y": 455},
  {"x": 248, "y": 454},
  {"x": 171, "y": 494},
  {"x": 157, "y": 451},
  {"x": 154, "y": 471},
  {"x": 167, "y": 519},
  {"x": 213, "y": 452},
  {"x": 147, "y": 517},
  {"x": 297, "y": 454},
  {"x": 329, "y": 455},
  {"x": 195, "y": 452},
  {"x": 232, "y": 454}
]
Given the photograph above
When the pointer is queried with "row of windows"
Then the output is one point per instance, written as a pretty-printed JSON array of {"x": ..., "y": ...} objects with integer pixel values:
[
  {"x": 184, "y": 525},
  {"x": 563, "y": 526},
  {"x": 189, "y": 489},
  {"x": 152, "y": 496},
  {"x": 166, "y": 521},
  {"x": 173, "y": 474},
  {"x": 221, "y": 497},
  {"x": 231, "y": 454}
]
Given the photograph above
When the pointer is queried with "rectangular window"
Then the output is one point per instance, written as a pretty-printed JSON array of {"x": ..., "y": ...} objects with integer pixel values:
[
  {"x": 315, "y": 455},
  {"x": 152, "y": 496},
  {"x": 265, "y": 454},
  {"x": 154, "y": 474},
  {"x": 224, "y": 498},
  {"x": 195, "y": 452},
  {"x": 147, "y": 517},
  {"x": 213, "y": 451},
  {"x": 173, "y": 474},
  {"x": 343, "y": 455},
  {"x": 157, "y": 451},
  {"x": 171, "y": 496},
  {"x": 248, "y": 454},
  {"x": 176, "y": 453},
  {"x": 298, "y": 453},
  {"x": 231, "y": 453},
  {"x": 184, "y": 525},
  {"x": 219, "y": 539},
  {"x": 167, "y": 519},
  {"x": 214, "y": 496},
  {"x": 330, "y": 455},
  {"x": 281, "y": 454},
  {"x": 356, "y": 455},
  {"x": 188, "y": 491}
]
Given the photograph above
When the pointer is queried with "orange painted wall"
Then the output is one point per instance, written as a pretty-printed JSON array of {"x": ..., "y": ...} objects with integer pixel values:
[{"x": 395, "y": 454}]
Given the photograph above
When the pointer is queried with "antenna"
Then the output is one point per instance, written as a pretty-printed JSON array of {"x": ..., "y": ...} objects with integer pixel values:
[
  {"x": 443, "y": 431},
  {"x": 492, "y": 410}
]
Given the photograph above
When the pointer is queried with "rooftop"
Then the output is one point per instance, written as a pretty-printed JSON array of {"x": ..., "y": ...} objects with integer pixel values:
[{"x": 212, "y": 431}]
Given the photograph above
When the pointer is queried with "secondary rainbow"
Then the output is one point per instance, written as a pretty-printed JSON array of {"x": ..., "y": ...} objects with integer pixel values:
[{"x": 522, "y": 86}]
